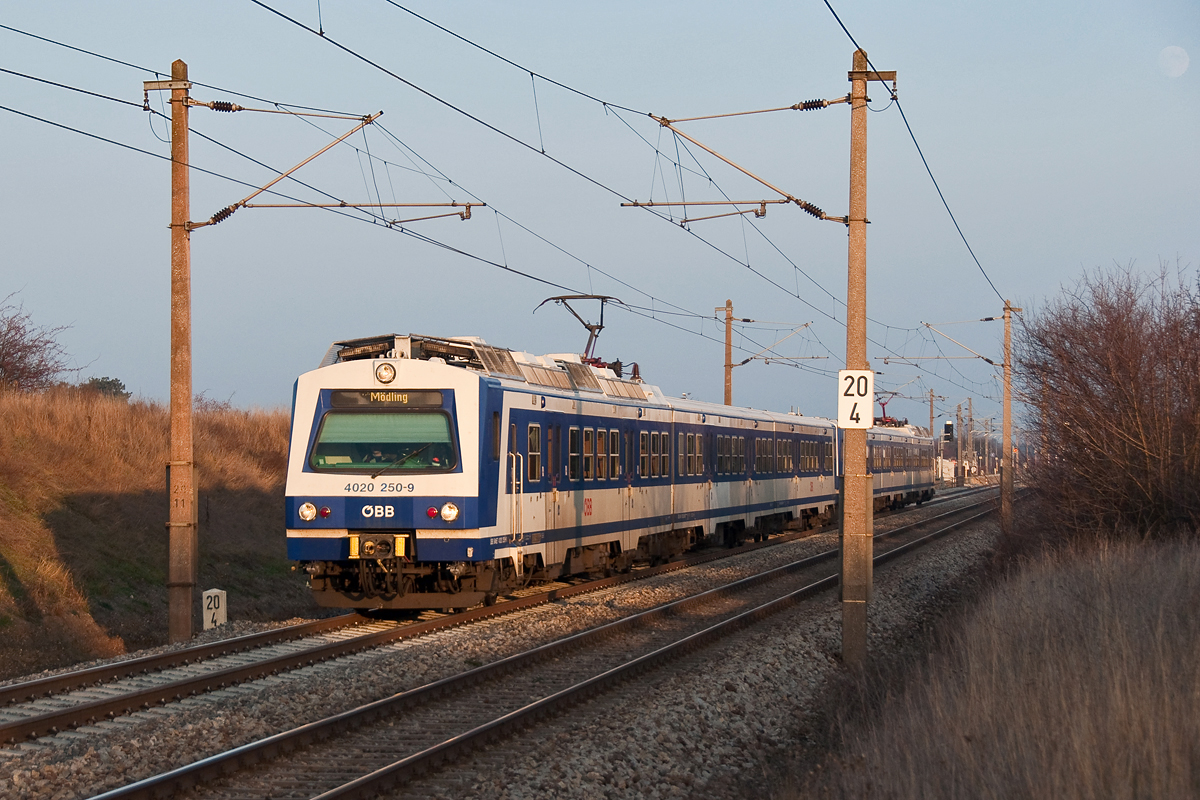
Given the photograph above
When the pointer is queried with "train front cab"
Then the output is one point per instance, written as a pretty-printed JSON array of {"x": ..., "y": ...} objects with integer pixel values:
[{"x": 384, "y": 503}]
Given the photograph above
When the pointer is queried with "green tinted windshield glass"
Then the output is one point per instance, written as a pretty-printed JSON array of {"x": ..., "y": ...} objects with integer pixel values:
[{"x": 395, "y": 441}]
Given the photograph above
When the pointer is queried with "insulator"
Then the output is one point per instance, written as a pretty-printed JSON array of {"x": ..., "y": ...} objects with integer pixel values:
[
  {"x": 811, "y": 209},
  {"x": 223, "y": 105},
  {"x": 224, "y": 214},
  {"x": 810, "y": 105}
]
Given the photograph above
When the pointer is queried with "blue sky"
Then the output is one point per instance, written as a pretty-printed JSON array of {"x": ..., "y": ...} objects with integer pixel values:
[{"x": 1056, "y": 135}]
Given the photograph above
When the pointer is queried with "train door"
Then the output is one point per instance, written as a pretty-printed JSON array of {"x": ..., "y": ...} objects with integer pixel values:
[
  {"x": 628, "y": 468},
  {"x": 553, "y": 475},
  {"x": 516, "y": 477},
  {"x": 718, "y": 487},
  {"x": 646, "y": 463},
  {"x": 533, "y": 502}
]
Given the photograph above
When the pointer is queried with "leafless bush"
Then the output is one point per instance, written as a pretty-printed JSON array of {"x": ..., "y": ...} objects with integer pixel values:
[
  {"x": 1111, "y": 373},
  {"x": 30, "y": 355}
]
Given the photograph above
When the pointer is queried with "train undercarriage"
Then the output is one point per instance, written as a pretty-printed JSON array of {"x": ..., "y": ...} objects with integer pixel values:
[{"x": 381, "y": 579}]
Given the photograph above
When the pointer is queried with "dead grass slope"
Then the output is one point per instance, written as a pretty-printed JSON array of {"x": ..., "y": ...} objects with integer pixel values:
[
  {"x": 83, "y": 546},
  {"x": 1077, "y": 678}
]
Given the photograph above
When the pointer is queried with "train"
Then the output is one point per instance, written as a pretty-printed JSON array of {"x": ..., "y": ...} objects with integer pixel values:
[{"x": 428, "y": 472}]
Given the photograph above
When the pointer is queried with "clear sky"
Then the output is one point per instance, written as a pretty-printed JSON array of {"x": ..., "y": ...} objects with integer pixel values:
[{"x": 1064, "y": 136}]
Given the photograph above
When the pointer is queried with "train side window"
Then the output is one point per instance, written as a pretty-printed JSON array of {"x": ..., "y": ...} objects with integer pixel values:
[
  {"x": 666, "y": 455},
  {"x": 644, "y": 454},
  {"x": 573, "y": 460},
  {"x": 700, "y": 440},
  {"x": 614, "y": 454},
  {"x": 512, "y": 438},
  {"x": 602, "y": 455},
  {"x": 534, "y": 461},
  {"x": 681, "y": 454},
  {"x": 589, "y": 453},
  {"x": 654, "y": 454},
  {"x": 691, "y": 454},
  {"x": 741, "y": 454},
  {"x": 495, "y": 436}
]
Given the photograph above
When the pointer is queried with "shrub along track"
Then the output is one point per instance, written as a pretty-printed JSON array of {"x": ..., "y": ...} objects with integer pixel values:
[{"x": 355, "y": 751}]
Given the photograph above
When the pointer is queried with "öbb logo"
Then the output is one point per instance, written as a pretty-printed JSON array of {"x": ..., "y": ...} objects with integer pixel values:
[{"x": 379, "y": 512}]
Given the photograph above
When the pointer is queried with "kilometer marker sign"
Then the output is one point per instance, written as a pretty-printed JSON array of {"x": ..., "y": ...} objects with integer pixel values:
[{"x": 856, "y": 398}]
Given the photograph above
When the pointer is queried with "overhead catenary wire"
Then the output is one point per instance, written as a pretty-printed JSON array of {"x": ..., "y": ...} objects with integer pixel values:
[
  {"x": 349, "y": 51},
  {"x": 158, "y": 72},
  {"x": 414, "y": 234},
  {"x": 372, "y": 158},
  {"x": 928, "y": 169},
  {"x": 521, "y": 142}
]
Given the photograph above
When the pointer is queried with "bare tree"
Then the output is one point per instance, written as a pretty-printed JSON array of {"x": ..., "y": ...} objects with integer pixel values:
[
  {"x": 1110, "y": 371},
  {"x": 31, "y": 356}
]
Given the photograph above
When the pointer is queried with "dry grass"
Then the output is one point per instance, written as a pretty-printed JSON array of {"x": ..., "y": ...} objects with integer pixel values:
[
  {"x": 82, "y": 507},
  {"x": 1079, "y": 677}
]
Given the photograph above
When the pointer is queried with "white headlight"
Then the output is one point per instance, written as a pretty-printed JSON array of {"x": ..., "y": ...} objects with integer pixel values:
[
  {"x": 385, "y": 373},
  {"x": 449, "y": 512},
  {"x": 308, "y": 512}
]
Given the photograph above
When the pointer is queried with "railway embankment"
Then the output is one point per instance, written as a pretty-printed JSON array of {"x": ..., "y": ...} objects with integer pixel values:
[
  {"x": 1073, "y": 676},
  {"x": 82, "y": 508},
  {"x": 704, "y": 726}
]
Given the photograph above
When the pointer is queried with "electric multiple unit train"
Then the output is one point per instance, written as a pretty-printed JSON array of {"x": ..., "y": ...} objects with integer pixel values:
[{"x": 438, "y": 473}]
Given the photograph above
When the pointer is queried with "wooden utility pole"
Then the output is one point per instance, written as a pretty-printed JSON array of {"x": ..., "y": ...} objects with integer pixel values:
[
  {"x": 931, "y": 433},
  {"x": 959, "y": 478},
  {"x": 857, "y": 517},
  {"x": 181, "y": 486},
  {"x": 971, "y": 431},
  {"x": 1006, "y": 460},
  {"x": 728, "y": 352}
]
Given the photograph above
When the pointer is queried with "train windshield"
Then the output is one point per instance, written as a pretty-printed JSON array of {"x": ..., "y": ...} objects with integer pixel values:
[{"x": 395, "y": 441}]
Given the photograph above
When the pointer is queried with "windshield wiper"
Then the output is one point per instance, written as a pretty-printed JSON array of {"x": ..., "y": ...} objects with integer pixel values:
[{"x": 401, "y": 460}]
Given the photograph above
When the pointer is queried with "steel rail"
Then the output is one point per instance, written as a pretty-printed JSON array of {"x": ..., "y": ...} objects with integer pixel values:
[
  {"x": 52, "y": 722},
  {"x": 67, "y": 681},
  {"x": 400, "y": 772},
  {"x": 221, "y": 764}
]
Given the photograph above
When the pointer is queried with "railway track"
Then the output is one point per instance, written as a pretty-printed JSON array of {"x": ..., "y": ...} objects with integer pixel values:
[
  {"x": 63, "y": 702},
  {"x": 440, "y": 721}
]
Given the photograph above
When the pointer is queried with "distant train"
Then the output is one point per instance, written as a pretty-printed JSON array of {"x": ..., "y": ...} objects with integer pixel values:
[{"x": 439, "y": 473}]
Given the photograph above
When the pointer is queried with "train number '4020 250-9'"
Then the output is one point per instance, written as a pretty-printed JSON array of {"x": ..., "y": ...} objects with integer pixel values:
[{"x": 381, "y": 487}]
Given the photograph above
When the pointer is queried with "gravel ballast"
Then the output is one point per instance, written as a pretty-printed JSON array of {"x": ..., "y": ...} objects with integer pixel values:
[{"x": 706, "y": 727}]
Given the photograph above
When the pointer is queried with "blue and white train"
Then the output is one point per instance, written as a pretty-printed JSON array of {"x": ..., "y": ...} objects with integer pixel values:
[{"x": 439, "y": 473}]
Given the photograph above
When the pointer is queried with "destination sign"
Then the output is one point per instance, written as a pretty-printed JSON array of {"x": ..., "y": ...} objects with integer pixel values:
[{"x": 386, "y": 398}]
